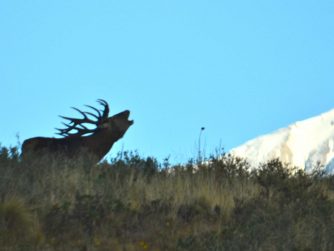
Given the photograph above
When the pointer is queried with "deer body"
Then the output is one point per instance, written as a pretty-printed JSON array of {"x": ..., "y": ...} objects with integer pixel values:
[{"x": 95, "y": 145}]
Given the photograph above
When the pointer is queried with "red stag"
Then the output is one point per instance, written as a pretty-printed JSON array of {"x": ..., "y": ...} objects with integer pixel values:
[{"x": 79, "y": 139}]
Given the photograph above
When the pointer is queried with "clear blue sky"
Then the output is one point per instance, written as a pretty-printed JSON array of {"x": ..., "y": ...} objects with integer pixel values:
[{"x": 239, "y": 68}]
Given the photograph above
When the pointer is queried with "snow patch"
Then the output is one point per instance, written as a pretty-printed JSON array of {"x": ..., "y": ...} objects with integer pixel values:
[{"x": 303, "y": 144}]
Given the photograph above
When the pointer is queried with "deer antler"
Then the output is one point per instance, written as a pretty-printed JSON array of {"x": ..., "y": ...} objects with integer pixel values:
[
  {"x": 106, "y": 108},
  {"x": 76, "y": 124}
]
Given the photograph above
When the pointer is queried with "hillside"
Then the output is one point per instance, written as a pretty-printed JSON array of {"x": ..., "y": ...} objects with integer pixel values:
[{"x": 134, "y": 204}]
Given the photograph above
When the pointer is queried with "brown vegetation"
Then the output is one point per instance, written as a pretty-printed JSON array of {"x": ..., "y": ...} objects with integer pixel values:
[{"x": 132, "y": 203}]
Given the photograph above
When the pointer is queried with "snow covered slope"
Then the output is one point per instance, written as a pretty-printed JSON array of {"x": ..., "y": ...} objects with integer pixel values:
[{"x": 302, "y": 144}]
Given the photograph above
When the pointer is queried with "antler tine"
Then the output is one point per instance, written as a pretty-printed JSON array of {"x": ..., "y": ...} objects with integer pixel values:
[
  {"x": 98, "y": 111},
  {"x": 85, "y": 118},
  {"x": 72, "y": 120},
  {"x": 78, "y": 110},
  {"x": 93, "y": 115},
  {"x": 62, "y": 132},
  {"x": 81, "y": 130},
  {"x": 76, "y": 121},
  {"x": 68, "y": 128},
  {"x": 106, "y": 108},
  {"x": 102, "y": 101}
]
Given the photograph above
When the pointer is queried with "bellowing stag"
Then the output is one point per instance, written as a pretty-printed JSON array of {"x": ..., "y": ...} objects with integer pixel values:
[{"x": 78, "y": 139}]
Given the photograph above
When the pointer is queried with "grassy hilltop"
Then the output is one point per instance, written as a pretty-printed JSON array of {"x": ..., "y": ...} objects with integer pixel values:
[{"x": 134, "y": 203}]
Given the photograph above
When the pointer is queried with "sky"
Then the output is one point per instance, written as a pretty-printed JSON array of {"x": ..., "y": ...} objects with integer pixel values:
[{"x": 238, "y": 68}]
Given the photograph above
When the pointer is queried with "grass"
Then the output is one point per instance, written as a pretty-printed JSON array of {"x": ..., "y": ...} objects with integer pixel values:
[{"x": 133, "y": 203}]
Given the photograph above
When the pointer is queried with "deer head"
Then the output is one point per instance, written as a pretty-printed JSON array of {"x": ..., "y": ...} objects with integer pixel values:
[
  {"x": 115, "y": 125},
  {"x": 78, "y": 138}
]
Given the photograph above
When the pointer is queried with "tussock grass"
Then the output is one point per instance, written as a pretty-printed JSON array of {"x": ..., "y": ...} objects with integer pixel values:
[
  {"x": 17, "y": 222},
  {"x": 132, "y": 203}
]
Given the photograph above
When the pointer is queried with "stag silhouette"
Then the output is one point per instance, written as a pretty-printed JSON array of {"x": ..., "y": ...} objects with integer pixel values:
[{"x": 77, "y": 139}]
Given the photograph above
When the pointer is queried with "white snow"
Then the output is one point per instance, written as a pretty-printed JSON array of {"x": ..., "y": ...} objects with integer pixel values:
[{"x": 303, "y": 144}]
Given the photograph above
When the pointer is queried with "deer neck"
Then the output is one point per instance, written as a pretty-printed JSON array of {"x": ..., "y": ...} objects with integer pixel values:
[{"x": 101, "y": 142}]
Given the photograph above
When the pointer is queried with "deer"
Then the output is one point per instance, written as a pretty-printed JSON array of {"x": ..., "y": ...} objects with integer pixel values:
[{"x": 79, "y": 140}]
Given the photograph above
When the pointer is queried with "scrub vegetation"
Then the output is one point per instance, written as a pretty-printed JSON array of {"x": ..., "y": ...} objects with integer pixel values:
[{"x": 136, "y": 203}]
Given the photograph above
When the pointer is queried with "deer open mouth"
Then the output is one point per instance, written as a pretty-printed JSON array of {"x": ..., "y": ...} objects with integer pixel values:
[
  {"x": 127, "y": 115},
  {"x": 131, "y": 121}
]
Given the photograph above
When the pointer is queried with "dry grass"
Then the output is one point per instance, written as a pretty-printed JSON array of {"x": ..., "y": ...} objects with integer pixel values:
[{"x": 130, "y": 203}]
